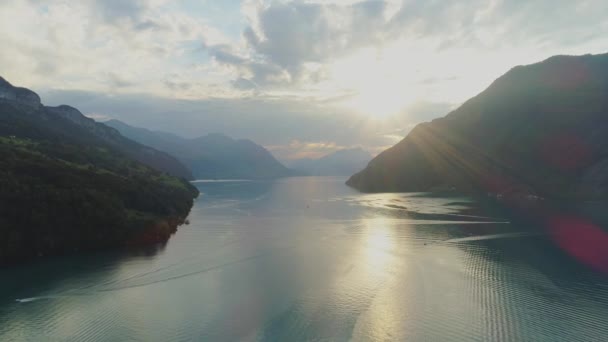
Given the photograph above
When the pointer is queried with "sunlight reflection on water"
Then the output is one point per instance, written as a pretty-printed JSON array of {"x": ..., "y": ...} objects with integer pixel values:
[{"x": 377, "y": 243}]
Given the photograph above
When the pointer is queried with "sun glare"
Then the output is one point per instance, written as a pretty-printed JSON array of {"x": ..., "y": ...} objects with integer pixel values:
[
  {"x": 383, "y": 82},
  {"x": 376, "y": 86},
  {"x": 377, "y": 102}
]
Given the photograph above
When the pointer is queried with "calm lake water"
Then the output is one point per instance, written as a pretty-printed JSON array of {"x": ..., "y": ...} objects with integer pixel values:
[{"x": 308, "y": 259}]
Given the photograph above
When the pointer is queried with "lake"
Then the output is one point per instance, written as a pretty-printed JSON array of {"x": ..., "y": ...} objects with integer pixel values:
[{"x": 309, "y": 259}]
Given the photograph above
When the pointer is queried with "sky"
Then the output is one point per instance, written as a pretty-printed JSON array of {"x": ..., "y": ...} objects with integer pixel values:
[{"x": 303, "y": 78}]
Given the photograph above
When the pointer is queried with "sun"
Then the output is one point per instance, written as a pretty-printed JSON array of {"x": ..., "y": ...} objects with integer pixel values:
[
  {"x": 375, "y": 85},
  {"x": 380, "y": 101}
]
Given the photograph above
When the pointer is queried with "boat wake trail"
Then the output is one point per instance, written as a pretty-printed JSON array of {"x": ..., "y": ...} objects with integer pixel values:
[
  {"x": 28, "y": 300},
  {"x": 493, "y": 237},
  {"x": 189, "y": 274}
]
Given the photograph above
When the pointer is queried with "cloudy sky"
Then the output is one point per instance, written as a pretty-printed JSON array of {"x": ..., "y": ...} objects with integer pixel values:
[{"x": 303, "y": 78}]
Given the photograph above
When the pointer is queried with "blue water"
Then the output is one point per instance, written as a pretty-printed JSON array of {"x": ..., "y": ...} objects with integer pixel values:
[{"x": 308, "y": 259}]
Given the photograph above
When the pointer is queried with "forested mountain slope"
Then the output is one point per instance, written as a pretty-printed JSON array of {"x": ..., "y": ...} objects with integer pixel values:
[{"x": 64, "y": 188}]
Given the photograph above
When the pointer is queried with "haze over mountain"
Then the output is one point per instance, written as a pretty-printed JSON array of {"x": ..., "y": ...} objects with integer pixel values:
[
  {"x": 213, "y": 156},
  {"x": 540, "y": 128},
  {"x": 70, "y": 184},
  {"x": 340, "y": 163}
]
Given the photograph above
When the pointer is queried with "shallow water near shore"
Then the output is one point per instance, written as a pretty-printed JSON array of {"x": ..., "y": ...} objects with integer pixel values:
[{"x": 309, "y": 259}]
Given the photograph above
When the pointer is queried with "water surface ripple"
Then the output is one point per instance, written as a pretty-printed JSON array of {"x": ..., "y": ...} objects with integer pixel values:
[{"x": 308, "y": 259}]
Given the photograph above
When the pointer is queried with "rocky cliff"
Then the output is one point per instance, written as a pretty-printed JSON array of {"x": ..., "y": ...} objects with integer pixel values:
[{"x": 20, "y": 96}]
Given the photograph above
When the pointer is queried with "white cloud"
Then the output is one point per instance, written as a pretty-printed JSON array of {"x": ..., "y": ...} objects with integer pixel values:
[
  {"x": 386, "y": 55},
  {"x": 402, "y": 61},
  {"x": 288, "y": 47},
  {"x": 101, "y": 45}
]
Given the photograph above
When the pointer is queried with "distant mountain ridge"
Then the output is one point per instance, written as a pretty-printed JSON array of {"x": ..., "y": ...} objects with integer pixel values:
[
  {"x": 540, "y": 129},
  {"x": 340, "y": 163},
  {"x": 214, "y": 156}
]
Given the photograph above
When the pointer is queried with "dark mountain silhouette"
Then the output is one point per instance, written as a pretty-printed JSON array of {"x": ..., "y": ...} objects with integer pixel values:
[
  {"x": 214, "y": 156},
  {"x": 340, "y": 163},
  {"x": 69, "y": 184},
  {"x": 538, "y": 129}
]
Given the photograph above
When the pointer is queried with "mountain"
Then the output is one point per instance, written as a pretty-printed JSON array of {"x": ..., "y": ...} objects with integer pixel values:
[
  {"x": 340, "y": 163},
  {"x": 540, "y": 129},
  {"x": 69, "y": 184},
  {"x": 144, "y": 154},
  {"x": 214, "y": 156},
  {"x": 30, "y": 101}
]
